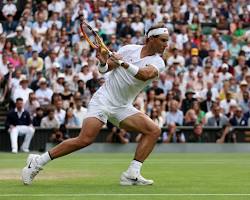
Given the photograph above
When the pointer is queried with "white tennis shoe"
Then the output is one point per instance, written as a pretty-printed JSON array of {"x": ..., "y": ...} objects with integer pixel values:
[
  {"x": 130, "y": 179},
  {"x": 31, "y": 169}
]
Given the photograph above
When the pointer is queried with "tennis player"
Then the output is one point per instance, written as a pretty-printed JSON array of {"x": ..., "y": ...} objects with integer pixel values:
[{"x": 113, "y": 102}]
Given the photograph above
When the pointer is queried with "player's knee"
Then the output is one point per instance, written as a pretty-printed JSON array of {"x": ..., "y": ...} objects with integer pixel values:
[
  {"x": 83, "y": 142},
  {"x": 156, "y": 132}
]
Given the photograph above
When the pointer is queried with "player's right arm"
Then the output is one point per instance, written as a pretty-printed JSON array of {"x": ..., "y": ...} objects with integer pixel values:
[{"x": 107, "y": 63}]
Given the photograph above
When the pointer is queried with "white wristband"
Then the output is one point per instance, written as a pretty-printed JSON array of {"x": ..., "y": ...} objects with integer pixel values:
[
  {"x": 133, "y": 69},
  {"x": 103, "y": 69}
]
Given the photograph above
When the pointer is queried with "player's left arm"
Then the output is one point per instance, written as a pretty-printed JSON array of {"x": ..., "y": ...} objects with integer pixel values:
[
  {"x": 147, "y": 72},
  {"x": 150, "y": 71}
]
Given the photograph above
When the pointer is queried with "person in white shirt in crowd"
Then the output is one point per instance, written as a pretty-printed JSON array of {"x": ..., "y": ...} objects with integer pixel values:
[
  {"x": 9, "y": 8},
  {"x": 207, "y": 73},
  {"x": 224, "y": 74},
  {"x": 174, "y": 115},
  {"x": 109, "y": 25},
  {"x": 79, "y": 111},
  {"x": 23, "y": 91},
  {"x": 137, "y": 24},
  {"x": 246, "y": 49},
  {"x": 85, "y": 74},
  {"x": 3, "y": 64},
  {"x": 58, "y": 85},
  {"x": 32, "y": 104},
  {"x": 44, "y": 93},
  {"x": 225, "y": 103},
  {"x": 54, "y": 20},
  {"x": 40, "y": 26},
  {"x": 56, "y": 6},
  {"x": 59, "y": 111},
  {"x": 50, "y": 121},
  {"x": 176, "y": 58},
  {"x": 210, "y": 87}
]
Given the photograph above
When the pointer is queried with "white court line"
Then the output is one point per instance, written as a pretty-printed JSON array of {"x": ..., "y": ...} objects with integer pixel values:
[{"x": 136, "y": 194}]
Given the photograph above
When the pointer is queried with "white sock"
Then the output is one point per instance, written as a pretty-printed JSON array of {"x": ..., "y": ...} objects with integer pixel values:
[
  {"x": 44, "y": 159},
  {"x": 135, "y": 167}
]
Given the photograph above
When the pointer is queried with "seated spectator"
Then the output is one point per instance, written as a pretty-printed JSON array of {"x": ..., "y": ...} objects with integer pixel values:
[
  {"x": 245, "y": 102},
  {"x": 239, "y": 119},
  {"x": 32, "y": 104},
  {"x": 23, "y": 91},
  {"x": 188, "y": 101},
  {"x": 57, "y": 136},
  {"x": 9, "y": 9},
  {"x": 199, "y": 113},
  {"x": 18, "y": 122},
  {"x": 225, "y": 103},
  {"x": 50, "y": 120},
  {"x": 159, "y": 92},
  {"x": 35, "y": 61},
  {"x": 19, "y": 41},
  {"x": 173, "y": 135},
  {"x": 93, "y": 84},
  {"x": 174, "y": 115},
  {"x": 190, "y": 118},
  {"x": 79, "y": 111},
  {"x": 67, "y": 96},
  {"x": 198, "y": 136},
  {"x": 118, "y": 136},
  {"x": 44, "y": 93},
  {"x": 218, "y": 119},
  {"x": 70, "y": 120},
  {"x": 59, "y": 111},
  {"x": 38, "y": 117},
  {"x": 226, "y": 135},
  {"x": 207, "y": 103}
]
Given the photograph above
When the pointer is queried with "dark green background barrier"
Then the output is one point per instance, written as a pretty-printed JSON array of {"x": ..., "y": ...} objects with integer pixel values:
[{"x": 41, "y": 136}]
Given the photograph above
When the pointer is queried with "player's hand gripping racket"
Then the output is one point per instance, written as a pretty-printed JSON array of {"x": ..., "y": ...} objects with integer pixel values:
[{"x": 95, "y": 41}]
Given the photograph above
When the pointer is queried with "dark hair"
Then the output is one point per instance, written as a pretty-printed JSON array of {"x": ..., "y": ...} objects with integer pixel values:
[
  {"x": 19, "y": 99},
  {"x": 159, "y": 25}
]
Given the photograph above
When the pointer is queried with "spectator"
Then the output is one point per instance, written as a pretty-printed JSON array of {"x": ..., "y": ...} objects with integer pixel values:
[
  {"x": 173, "y": 135},
  {"x": 218, "y": 119},
  {"x": 59, "y": 111},
  {"x": 67, "y": 96},
  {"x": 70, "y": 120},
  {"x": 226, "y": 136},
  {"x": 35, "y": 61},
  {"x": 239, "y": 119},
  {"x": 198, "y": 136},
  {"x": 118, "y": 136},
  {"x": 50, "y": 121},
  {"x": 79, "y": 111},
  {"x": 9, "y": 9},
  {"x": 187, "y": 103},
  {"x": 44, "y": 93},
  {"x": 174, "y": 115},
  {"x": 18, "y": 122},
  {"x": 23, "y": 91},
  {"x": 245, "y": 102},
  {"x": 190, "y": 118},
  {"x": 31, "y": 104},
  {"x": 38, "y": 117}
]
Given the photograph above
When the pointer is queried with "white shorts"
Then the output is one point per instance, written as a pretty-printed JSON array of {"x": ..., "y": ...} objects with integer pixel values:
[{"x": 104, "y": 111}]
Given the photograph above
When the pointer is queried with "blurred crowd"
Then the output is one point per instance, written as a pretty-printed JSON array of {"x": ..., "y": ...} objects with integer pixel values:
[{"x": 45, "y": 61}]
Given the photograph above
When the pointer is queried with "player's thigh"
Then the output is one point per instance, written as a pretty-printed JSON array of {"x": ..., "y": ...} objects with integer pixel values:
[
  {"x": 90, "y": 128},
  {"x": 140, "y": 123}
]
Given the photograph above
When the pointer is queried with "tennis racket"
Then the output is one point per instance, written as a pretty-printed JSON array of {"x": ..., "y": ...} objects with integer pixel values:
[{"x": 94, "y": 40}]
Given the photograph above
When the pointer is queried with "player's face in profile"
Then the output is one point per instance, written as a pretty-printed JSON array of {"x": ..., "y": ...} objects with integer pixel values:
[{"x": 161, "y": 43}]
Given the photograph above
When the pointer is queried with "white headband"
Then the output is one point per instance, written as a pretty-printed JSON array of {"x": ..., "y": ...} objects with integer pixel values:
[{"x": 157, "y": 31}]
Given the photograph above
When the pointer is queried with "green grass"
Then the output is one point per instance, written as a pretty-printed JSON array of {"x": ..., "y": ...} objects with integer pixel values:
[{"x": 88, "y": 174}]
